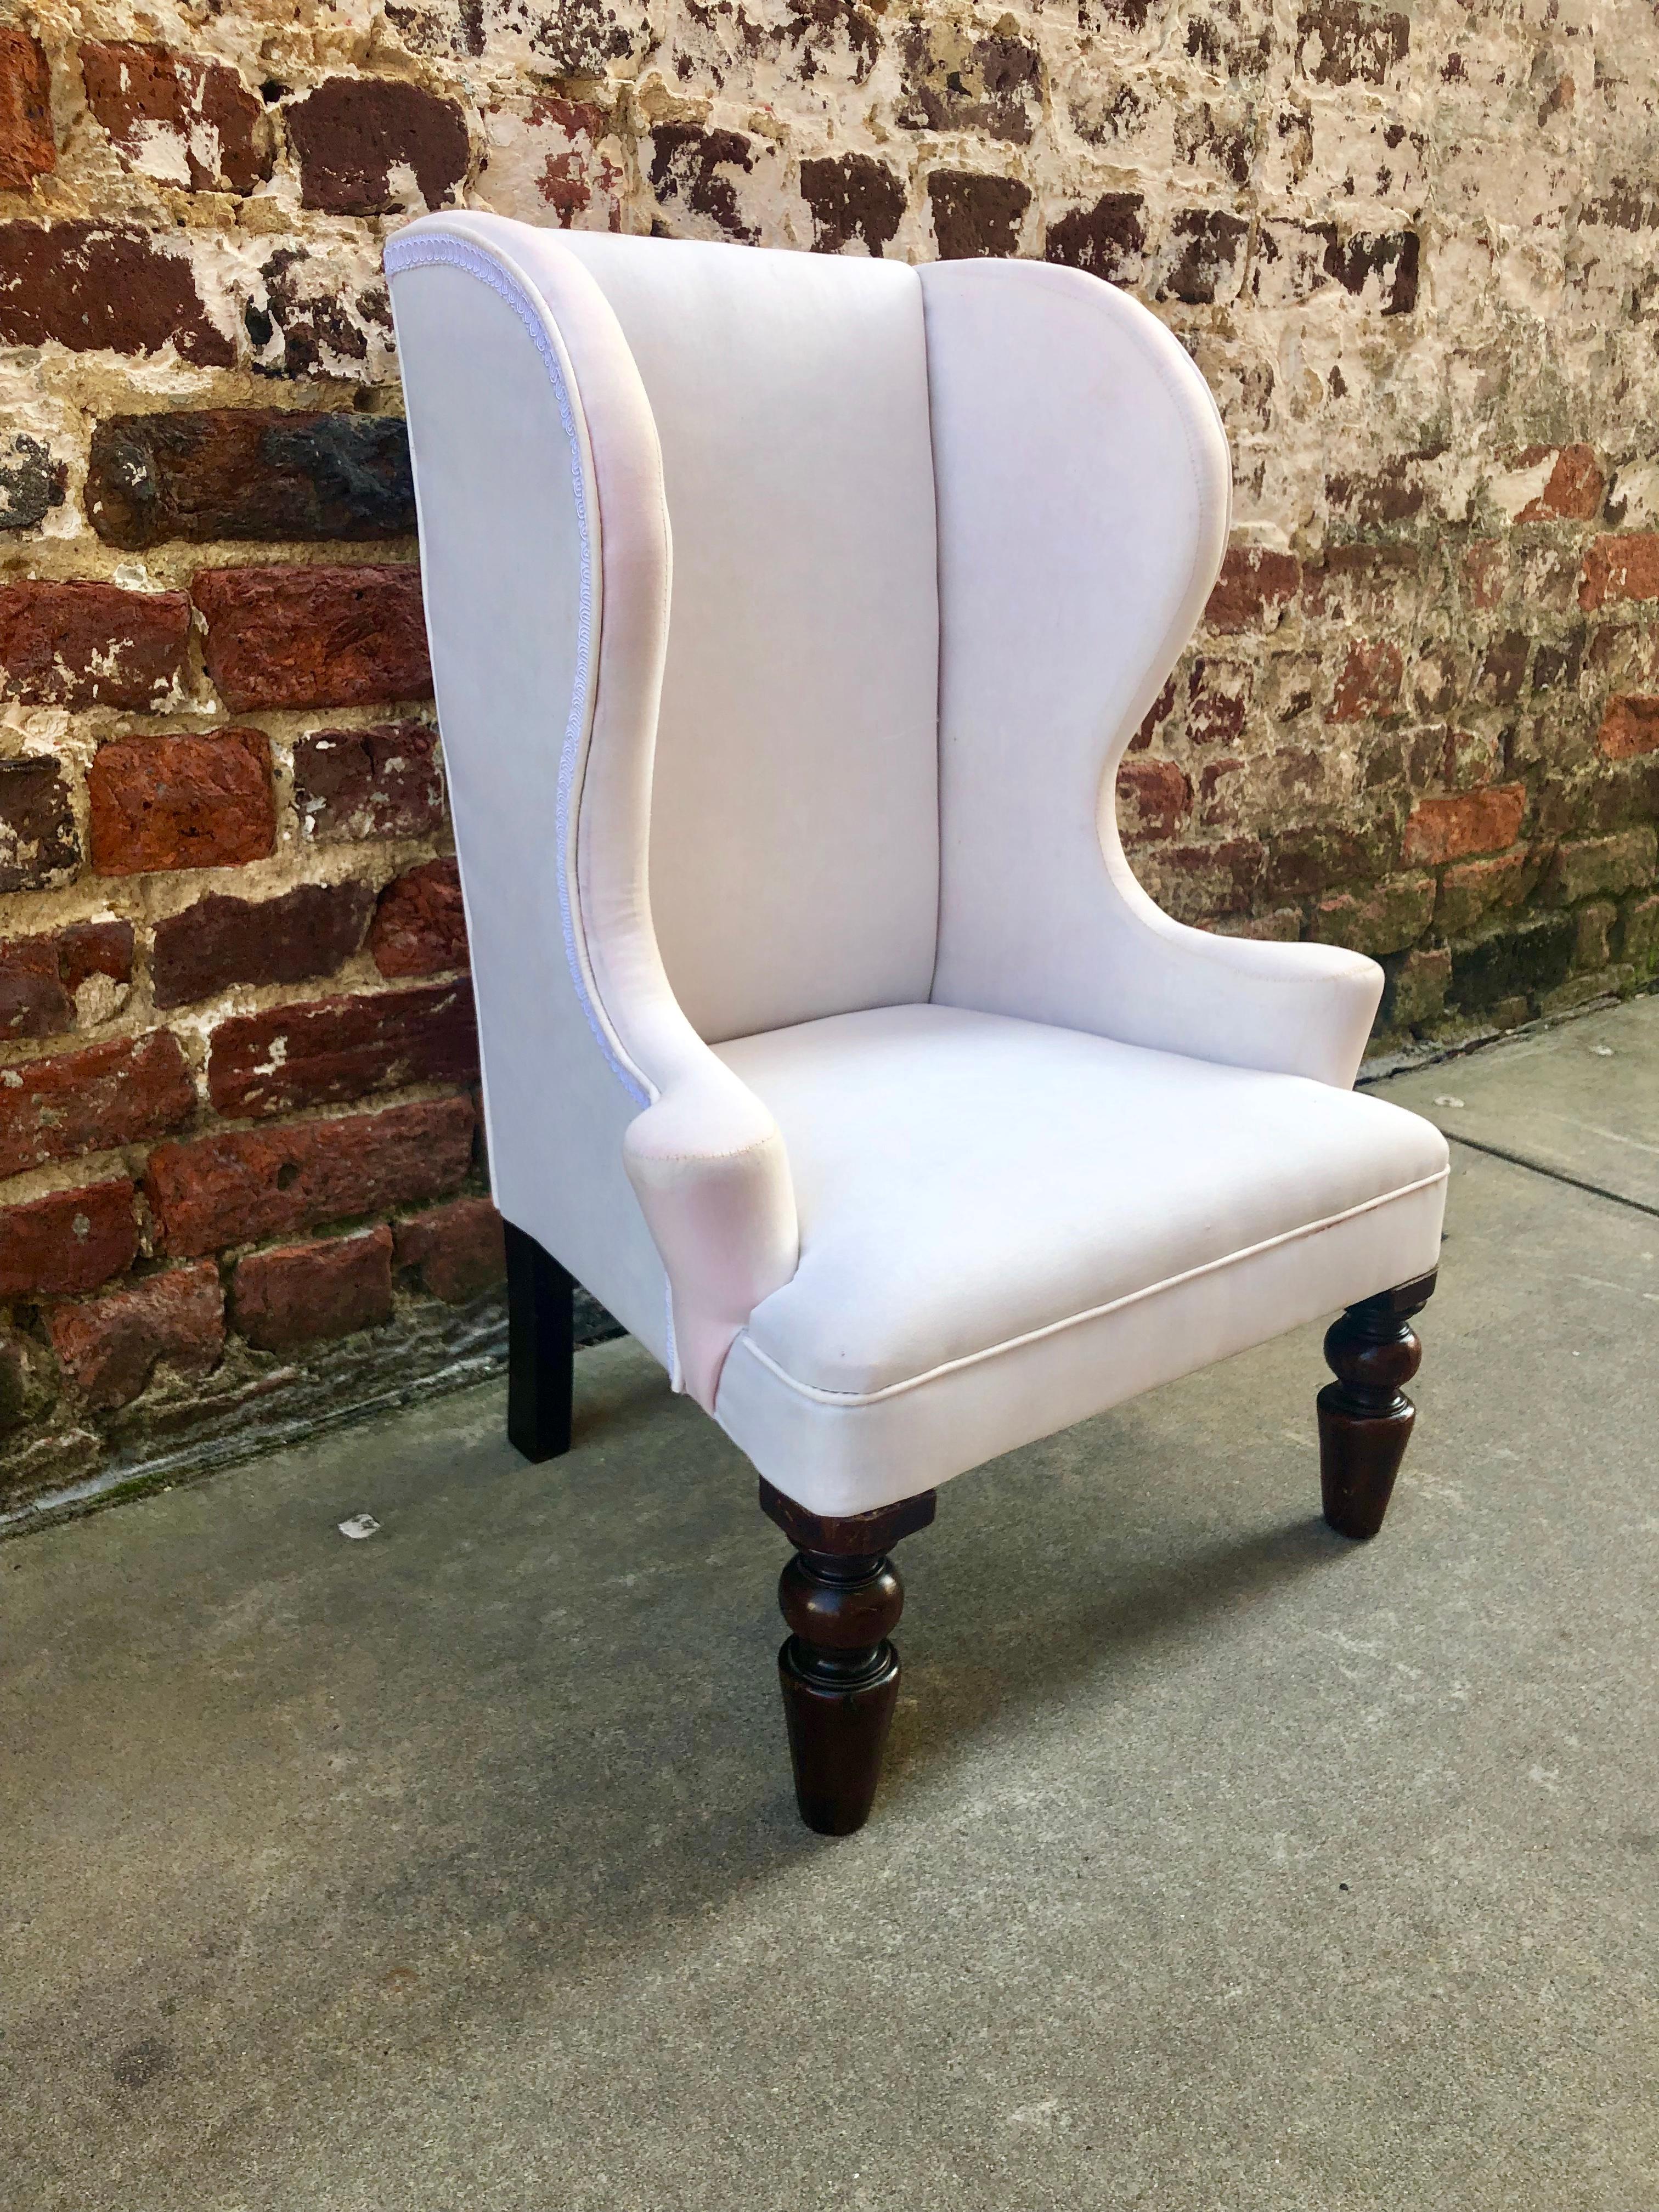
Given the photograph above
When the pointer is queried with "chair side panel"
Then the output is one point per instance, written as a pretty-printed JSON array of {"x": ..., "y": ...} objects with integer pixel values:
[
  {"x": 507, "y": 552},
  {"x": 1083, "y": 487}
]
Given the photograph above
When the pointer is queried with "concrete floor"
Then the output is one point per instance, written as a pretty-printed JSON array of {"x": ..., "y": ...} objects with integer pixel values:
[{"x": 1220, "y": 1865}]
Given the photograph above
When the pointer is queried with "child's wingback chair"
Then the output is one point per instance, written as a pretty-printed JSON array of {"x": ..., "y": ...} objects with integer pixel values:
[{"x": 788, "y": 618}]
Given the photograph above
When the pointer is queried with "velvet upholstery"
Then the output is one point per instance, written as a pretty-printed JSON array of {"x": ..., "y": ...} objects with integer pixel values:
[{"x": 789, "y": 615}]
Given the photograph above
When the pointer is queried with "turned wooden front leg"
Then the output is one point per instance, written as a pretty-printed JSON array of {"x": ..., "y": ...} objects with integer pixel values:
[
  {"x": 841, "y": 1598},
  {"x": 1365, "y": 1417}
]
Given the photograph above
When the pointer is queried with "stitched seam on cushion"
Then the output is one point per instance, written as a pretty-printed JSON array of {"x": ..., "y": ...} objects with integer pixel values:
[
  {"x": 1092, "y": 1313},
  {"x": 472, "y": 261}
]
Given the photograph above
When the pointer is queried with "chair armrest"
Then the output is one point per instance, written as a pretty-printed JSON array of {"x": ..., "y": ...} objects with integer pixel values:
[
  {"x": 707, "y": 1165},
  {"x": 1287, "y": 1009}
]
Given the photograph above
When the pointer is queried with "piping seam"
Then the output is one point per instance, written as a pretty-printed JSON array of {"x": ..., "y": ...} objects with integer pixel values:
[
  {"x": 455, "y": 253},
  {"x": 853, "y": 1397}
]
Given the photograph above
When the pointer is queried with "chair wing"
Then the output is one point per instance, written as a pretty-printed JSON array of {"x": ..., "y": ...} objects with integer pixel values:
[
  {"x": 1084, "y": 490},
  {"x": 616, "y": 1138}
]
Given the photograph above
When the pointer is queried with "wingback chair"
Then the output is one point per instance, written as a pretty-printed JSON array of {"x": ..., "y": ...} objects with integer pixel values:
[{"x": 789, "y": 616}]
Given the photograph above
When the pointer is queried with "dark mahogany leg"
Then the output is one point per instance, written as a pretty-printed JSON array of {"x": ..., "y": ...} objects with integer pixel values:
[
  {"x": 540, "y": 1349},
  {"x": 842, "y": 1599},
  {"x": 1365, "y": 1417}
]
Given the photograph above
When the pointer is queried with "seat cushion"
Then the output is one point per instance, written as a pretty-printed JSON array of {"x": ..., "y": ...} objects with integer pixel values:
[{"x": 971, "y": 1188}]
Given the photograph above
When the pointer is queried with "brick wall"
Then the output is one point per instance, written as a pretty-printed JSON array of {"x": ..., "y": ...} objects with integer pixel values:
[{"x": 1412, "y": 252}]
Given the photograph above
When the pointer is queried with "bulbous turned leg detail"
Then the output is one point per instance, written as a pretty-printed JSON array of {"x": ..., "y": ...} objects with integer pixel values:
[
  {"x": 841, "y": 1598},
  {"x": 1365, "y": 1418}
]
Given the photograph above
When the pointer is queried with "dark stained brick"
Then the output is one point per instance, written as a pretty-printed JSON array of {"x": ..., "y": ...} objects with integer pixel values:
[
  {"x": 93, "y": 286},
  {"x": 40, "y": 845},
  {"x": 305, "y": 933},
  {"x": 335, "y": 1049},
  {"x": 352, "y": 133},
  {"x": 380, "y": 782}
]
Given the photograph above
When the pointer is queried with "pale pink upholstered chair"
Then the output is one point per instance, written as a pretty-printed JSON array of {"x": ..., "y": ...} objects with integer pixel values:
[{"x": 789, "y": 616}]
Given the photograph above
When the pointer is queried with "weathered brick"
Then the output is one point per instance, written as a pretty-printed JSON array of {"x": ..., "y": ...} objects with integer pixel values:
[
  {"x": 27, "y": 149},
  {"x": 181, "y": 802},
  {"x": 303, "y": 934},
  {"x": 1386, "y": 919},
  {"x": 1343, "y": 42},
  {"x": 352, "y": 132},
  {"x": 1620, "y": 567},
  {"x": 1472, "y": 889},
  {"x": 1630, "y": 725},
  {"x": 1108, "y": 240},
  {"x": 383, "y": 782},
  {"x": 458, "y": 1251},
  {"x": 1503, "y": 669},
  {"x": 1593, "y": 947},
  {"x": 262, "y": 473},
  {"x": 40, "y": 845},
  {"x": 1306, "y": 857},
  {"x": 1204, "y": 257},
  {"x": 1361, "y": 583},
  {"x": 1574, "y": 490},
  {"x": 1153, "y": 799},
  {"x": 694, "y": 171},
  {"x": 33, "y": 481},
  {"x": 91, "y": 286},
  {"x": 241, "y": 1184},
  {"x": 1414, "y": 994},
  {"x": 335, "y": 1050},
  {"x": 1639, "y": 933},
  {"x": 1532, "y": 956},
  {"x": 420, "y": 925},
  {"x": 1605, "y": 866},
  {"x": 1197, "y": 882},
  {"x": 1484, "y": 821},
  {"x": 1253, "y": 589},
  {"x": 314, "y": 636},
  {"x": 91, "y": 645},
  {"x": 68, "y": 1242},
  {"x": 1217, "y": 701},
  {"x": 1369, "y": 686},
  {"x": 110, "y": 1346},
  {"x": 39, "y": 975},
  {"x": 308, "y": 1293},
  {"x": 177, "y": 116},
  {"x": 852, "y": 196},
  {"x": 119, "y": 1092},
  {"x": 975, "y": 215}
]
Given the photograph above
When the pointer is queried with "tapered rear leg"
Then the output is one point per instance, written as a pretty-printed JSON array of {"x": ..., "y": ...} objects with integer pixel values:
[
  {"x": 540, "y": 1348},
  {"x": 1365, "y": 1418},
  {"x": 842, "y": 1599}
]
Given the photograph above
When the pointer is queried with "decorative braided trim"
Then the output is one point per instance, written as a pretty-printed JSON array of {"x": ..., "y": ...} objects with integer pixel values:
[{"x": 424, "y": 251}]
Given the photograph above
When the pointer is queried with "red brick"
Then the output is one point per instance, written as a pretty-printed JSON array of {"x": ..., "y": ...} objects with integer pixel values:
[
  {"x": 1217, "y": 701},
  {"x": 382, "y": 782},
  {"x": 322, "y": 636},
  {"x": 1153, "y": 799},
  {"x": 181, "y": 802},
  {"x": 93, "y": 286},
  {"x": 194, "y": 107},
  {"x": 110, "y": 1346},
  {"x": 1486, "y": 571},
  {"x": 92, "y": 645},
  {"x": 306, "y": 933},
  {"x": 1253, "y": 585},
  {"x": 335, "y": 1049},
  {"x": 266, "y": 473},
  {"x": 1473, "y": 888},
  {"x": 1484, "y": 821},
  {"x": 458, "y": 1250},
  {"x": 304, "y": 1293},
  {"x": 1622, "y": 568},
  {"x": 352, "y": 131},
  {"x": 238, "y": 1185},
  {"x": 420, "y": 925},
  {"x": 1574, "y": 490},
  {"x": 27, "y": 147},
  {"x": 39, "y": 975},
  {"x": 1159, "y": 712},
  {"x": 121, "y": 1092},
  {"x": 1370, "y": 683},
  {"x": 1631, "y": 725},
  {"x": 69, "y": 1242},
  {"x": 40, "y": 845},
  {"x": 1198, "y": 882}
]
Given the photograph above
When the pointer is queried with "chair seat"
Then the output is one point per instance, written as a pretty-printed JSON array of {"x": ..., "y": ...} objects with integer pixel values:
[{"x": 1036, "y": 1223}]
